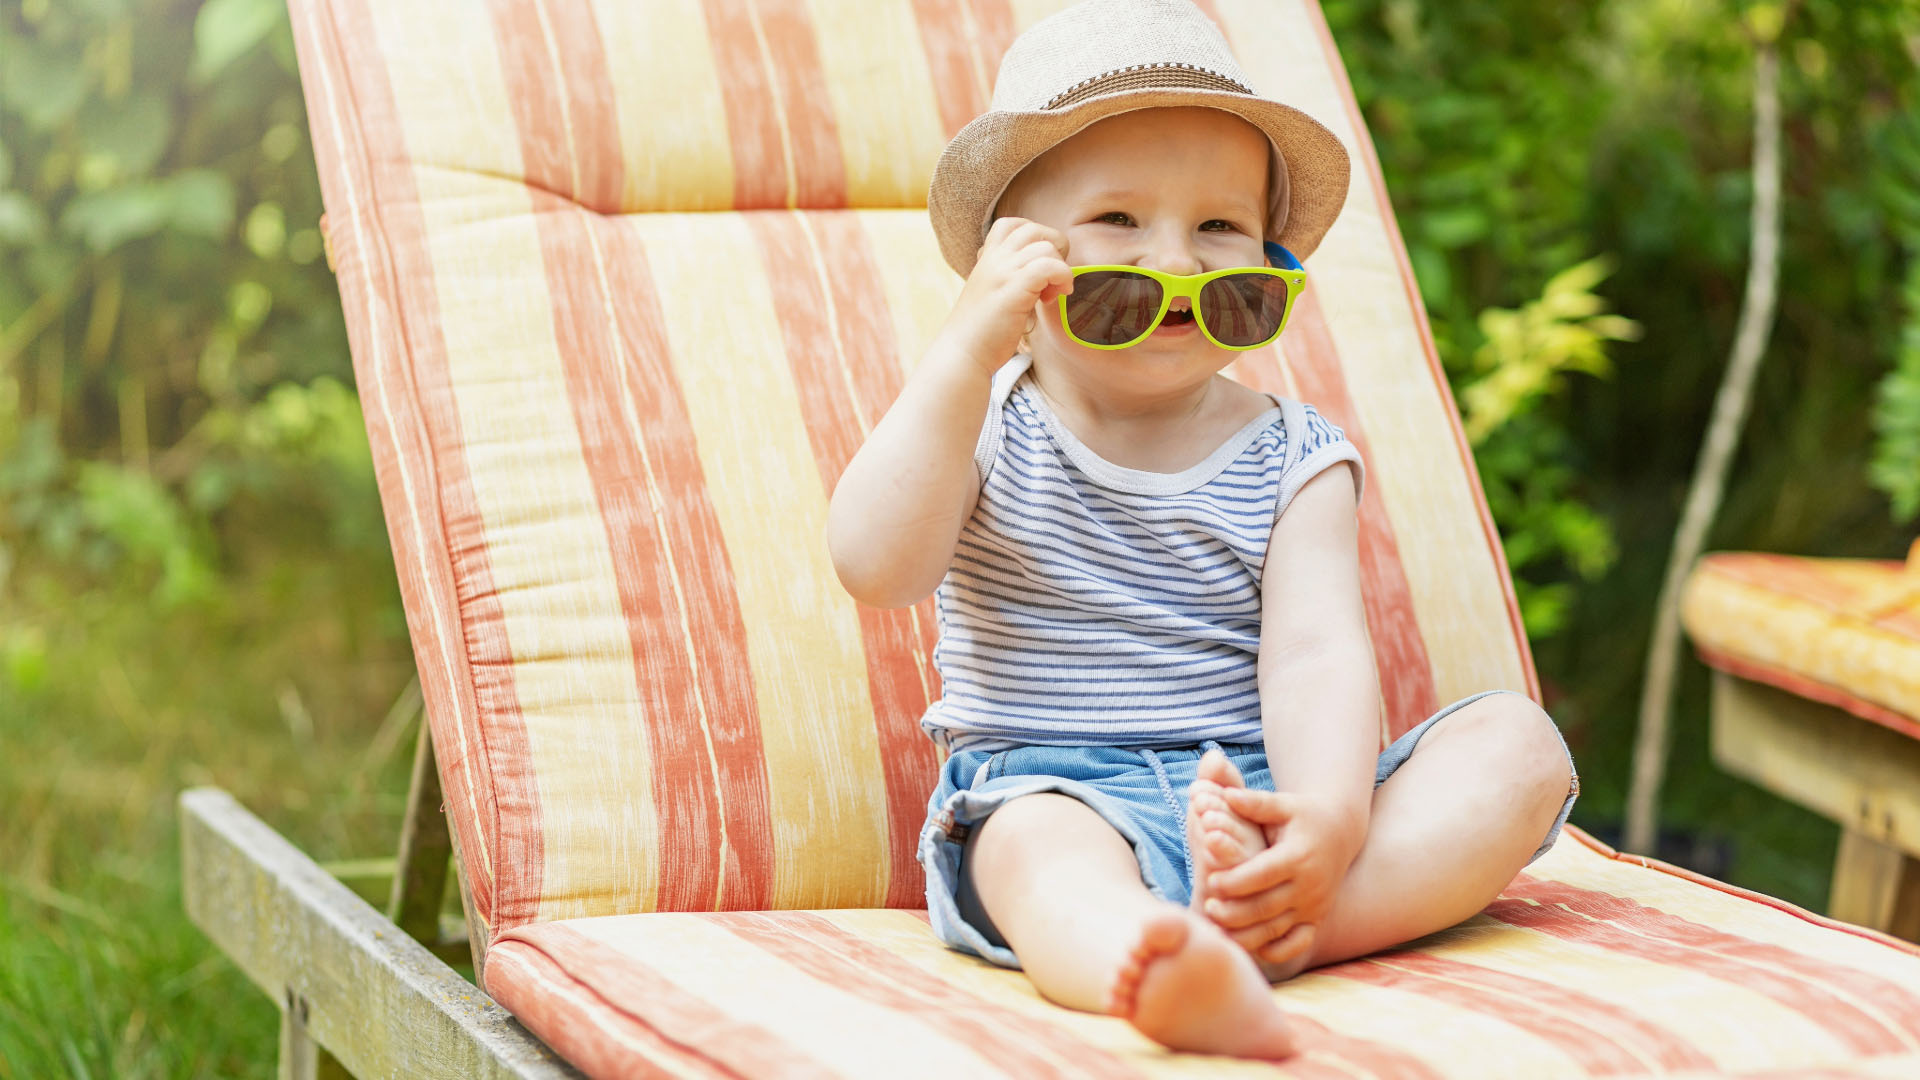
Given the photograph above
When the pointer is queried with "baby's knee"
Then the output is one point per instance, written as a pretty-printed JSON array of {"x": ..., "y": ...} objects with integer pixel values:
[
  {"x": 1522, "y": 738},
  {"x": 1025, "y": 829}
]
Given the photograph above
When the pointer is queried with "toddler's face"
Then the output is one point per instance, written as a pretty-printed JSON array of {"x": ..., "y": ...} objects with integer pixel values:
[{"x": 1180, "y": 190}]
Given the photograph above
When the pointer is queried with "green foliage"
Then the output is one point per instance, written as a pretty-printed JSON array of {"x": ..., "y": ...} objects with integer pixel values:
[
  {"x": 1525, "y": 354},
  {"x": 148, "y": 415},
  {"x": 1519, "y": 138},
  {"x": 1523, "y": 358},
  {"x": 1492, "y": 215},
  {"x": 1896, "y": 414},
  {"x": 192, "y": 556}
]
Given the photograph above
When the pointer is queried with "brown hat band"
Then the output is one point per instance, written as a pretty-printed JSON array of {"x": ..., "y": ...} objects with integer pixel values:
[{"x": 1144, "y": 76}]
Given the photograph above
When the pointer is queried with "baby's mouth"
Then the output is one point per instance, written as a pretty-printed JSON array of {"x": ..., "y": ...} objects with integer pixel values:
[{"x": 1178, "y": 317}]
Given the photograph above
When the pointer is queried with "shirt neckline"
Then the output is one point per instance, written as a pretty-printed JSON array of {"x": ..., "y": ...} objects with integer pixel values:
[{"x": 1143, "y": 481}]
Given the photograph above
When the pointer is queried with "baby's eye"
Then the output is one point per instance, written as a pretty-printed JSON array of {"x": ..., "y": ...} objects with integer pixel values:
[
  {"x": 1114, "y": 214},
  {"x": 1218, "y": 221}
]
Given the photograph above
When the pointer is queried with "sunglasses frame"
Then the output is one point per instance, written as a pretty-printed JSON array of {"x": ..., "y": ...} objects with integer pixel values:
[{"x": 1172, "y": 286}]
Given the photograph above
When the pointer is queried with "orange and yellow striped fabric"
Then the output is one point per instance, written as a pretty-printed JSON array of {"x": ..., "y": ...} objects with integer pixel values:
[
  {"x": 626, "y": 285},
  {"x": 1841, "y": 631},
  {"x": 607, "y": 419},
  {"x": 1588, "y": 966}
]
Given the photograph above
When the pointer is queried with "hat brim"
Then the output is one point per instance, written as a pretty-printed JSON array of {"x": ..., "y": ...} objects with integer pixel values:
[{"x": 983, "y": 158}]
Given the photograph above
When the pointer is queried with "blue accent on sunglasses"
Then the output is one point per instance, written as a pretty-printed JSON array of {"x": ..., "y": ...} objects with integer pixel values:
[{"x": 1281, "y": 258}]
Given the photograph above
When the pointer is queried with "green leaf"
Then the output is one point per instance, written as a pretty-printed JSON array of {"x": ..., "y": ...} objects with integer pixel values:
[
  {"x": 1764, "y": 21},
  {"x": 22, "y": 222},
  {"x": 45, "y": 86},
  {"x": 34, "y": 463},
  {"x": 104, "y": 220},
  {"x": 226, "y": 29},
  {"x": 1431, "y": 272},
  {"x": 265, "y": 230},
  {"x": 146, "y": 522},
  {"x": 197, "y": 202},
  {"x": 133, "y": 132},
  {"x": 201, "y": 202},
  {"x": 1456, "y": 226},
  {"x": 23, "y": 655}
]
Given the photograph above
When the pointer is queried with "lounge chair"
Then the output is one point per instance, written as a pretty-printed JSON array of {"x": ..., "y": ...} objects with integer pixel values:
[{"x": 626, "y": 282}]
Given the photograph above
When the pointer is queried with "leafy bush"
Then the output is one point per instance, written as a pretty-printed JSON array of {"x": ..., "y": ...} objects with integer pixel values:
[
  {"x": 1896, "y": 415},
  {"x": 173, "y": 341}
]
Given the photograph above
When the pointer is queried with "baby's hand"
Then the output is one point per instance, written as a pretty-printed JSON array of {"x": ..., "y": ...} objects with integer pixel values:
[
  {"x": 1272, "y": 903},
  {"x": 1022, "y": 263}
]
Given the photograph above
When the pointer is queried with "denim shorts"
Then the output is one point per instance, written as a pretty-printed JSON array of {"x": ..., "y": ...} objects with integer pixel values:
[{"x": 1142, "y": 793}]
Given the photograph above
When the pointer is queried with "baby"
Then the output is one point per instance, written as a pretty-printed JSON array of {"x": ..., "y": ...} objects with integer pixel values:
[{"x": 1163, "y": 788}]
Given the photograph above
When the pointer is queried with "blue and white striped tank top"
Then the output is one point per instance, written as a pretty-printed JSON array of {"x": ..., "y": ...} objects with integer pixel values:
[{"x": 1092, "y": 604}]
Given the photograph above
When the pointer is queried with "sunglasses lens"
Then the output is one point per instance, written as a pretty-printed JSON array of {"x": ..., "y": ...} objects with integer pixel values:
[
  {"x": 1112, "y": 307},
  {"x": 1243, "y": 309}
]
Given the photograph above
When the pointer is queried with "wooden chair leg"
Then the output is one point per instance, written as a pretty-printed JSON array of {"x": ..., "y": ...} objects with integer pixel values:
[
  {"x": 420, "y": 872},
  {"x": 476, "y": 930},
  {"x": 301, "y": 1058},
  {"x": 1876, "y": 885}
]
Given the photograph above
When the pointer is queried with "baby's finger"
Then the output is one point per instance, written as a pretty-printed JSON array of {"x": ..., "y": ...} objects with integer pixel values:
[
  {"x": 1234, "y": 914},
  {"x": 1263, "y": 934},
  {"x": 1258, "y": 874},
  {"x": 1046, "y": 271},
  {"x": 1290, "y": 947},
  {"x": 1032, "y": 235},
  {"x": 1060, "y": 284},
  {"x": 1002, "y": 226},
  {"x": 1265, "y": 807}
]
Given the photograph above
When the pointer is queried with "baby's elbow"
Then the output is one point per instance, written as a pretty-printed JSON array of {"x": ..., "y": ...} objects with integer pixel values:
[
  {"x": 867, "y": 580},
  {"x": 875, "y": 589}
]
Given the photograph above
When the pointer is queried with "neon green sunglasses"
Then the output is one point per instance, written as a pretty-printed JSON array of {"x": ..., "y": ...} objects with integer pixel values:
[{"x": 1239, "y": 308}]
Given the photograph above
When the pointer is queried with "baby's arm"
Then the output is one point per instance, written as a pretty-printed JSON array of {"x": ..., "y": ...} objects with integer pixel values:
[
  {"x": 897, "y": 510},
  {"x": 1320, "y": 707},
  {"x": 1319, "y": 689}
]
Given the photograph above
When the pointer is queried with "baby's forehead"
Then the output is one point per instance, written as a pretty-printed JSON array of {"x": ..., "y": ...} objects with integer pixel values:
[{"x": 1080, "y": 174}]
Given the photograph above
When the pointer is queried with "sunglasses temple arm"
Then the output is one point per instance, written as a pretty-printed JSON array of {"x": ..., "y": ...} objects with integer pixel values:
[{"x": 1281, "y": 258}]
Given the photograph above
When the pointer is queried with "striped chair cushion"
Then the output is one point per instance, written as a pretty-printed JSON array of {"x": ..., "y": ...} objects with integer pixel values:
[
  {"x": 1588, "y": 966},
  {"x": 1841, "y": 631},
  {"x": 606, "y": 419}
]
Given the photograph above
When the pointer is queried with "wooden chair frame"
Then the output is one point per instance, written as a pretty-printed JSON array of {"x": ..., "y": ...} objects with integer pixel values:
[
  {"x": 361, "y": 992},
  {"x": 1857, "y": 773}
]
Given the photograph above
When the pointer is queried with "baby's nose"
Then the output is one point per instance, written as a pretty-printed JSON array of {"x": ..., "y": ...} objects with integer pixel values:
[{"x": 1178, "y": 263}]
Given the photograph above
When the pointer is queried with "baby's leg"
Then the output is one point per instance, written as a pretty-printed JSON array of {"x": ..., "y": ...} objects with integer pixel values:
[
  {"x": 1064, "y": 889},
  {"x": 1449, "y": 829}
]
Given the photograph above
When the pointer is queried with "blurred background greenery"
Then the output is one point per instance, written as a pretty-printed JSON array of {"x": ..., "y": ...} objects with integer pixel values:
[{"x": 195, "y": 585}]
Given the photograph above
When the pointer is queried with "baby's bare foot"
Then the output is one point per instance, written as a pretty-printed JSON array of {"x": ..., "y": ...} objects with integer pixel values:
[
  {"x": 1188, "y": 986},
  {"x": 1218, "y": 838}
]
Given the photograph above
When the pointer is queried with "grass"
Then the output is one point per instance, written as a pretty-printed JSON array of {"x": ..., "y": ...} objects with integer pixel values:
[
  {"x": 284, "y": 692},
  {"x": 282, "y": 695}
]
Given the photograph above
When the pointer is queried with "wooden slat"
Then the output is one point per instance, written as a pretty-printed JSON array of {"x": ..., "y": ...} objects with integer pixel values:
[
  {"x": 300, "y": 1057},
  {"x": 1859, "y": 774},
  {"x": 420, "y": 879},
  {"x": 1876, "y": 885},
  {"x": 369, "y": 995}
]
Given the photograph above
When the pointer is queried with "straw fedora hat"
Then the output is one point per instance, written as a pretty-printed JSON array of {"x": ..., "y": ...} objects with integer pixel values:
[{"x": 1102, "y": 57}]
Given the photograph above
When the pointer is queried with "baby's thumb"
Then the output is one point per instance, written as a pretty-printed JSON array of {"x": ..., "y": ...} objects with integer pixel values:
[{"x": 1265, "y": 807}]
